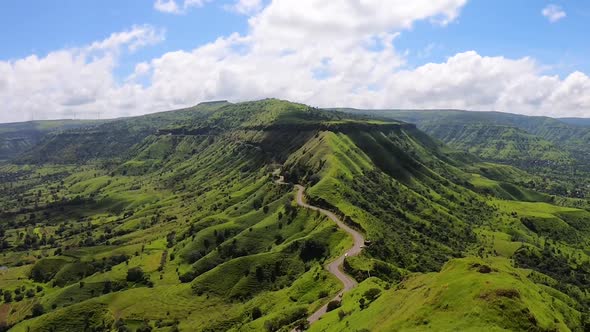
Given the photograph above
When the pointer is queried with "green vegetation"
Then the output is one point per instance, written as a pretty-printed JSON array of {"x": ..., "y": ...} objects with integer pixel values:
[
  {"x": 555, "y": 150},
  {"x": 175, "y": 222},
  {"x": 467, "y": 295},
  {"x": 16, "y": 138}
]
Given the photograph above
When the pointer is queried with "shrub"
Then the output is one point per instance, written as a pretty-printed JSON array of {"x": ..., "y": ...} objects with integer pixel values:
[
  {"x": 311, "y": 250},
  {"x": 135, "y": 274},
  {"x": 341, "y": 314},
  {"x": 144, "y": 328},
  {"x": 256, "y": 313},
  {"x": 7, "y": 296},
  {"x": 107, "y": 287},
  {"x": 287, "y": 318},
  {"x": 38, "y": 310},
  {"x": 372, "y": 294},
  {"x": 335, "y": 304},
  {"x": 120, "y": 326}
]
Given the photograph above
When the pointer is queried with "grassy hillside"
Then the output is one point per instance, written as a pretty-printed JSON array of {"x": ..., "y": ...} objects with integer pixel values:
[
  {"x": 467, "y": 295},
  {"x": 502, "y": 144},
  {"x": 554, "y": 149},
  {"x": 16, "y": 138},
  {"x": 174, "y": 221}
]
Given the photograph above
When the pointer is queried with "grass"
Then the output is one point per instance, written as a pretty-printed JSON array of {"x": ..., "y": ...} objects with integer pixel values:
[{"x": 460, "y": 297}]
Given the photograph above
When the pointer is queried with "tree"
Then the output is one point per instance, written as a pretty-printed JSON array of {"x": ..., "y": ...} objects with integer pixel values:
[
  {"x": 144, "y": 327},
  {"x": 335, "y": 304},
  {"x": 107, "y": 287},
  {"x": 311, "y": 250},
  {"x": 259, "y": 274},
  {"x": 38, "y": 310},
  {"x": 7, "y": 296},
  {"x": 170, "y": 239},
  {"x": 256, "y": 313},
  {"x": 120, "y": 326},
  {"x": 362, "y": 303},
  {"x": 135, "y": 274},
  {"x": 341, "y": 314},
  {"x": 372, "y": 294}
]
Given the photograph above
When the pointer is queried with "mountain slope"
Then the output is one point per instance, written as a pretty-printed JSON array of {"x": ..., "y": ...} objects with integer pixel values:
[
  {"x": 16, "y": 138},
  {"x": 467, "y": 295},
  {"x": 501, "y": 144},
  {"x": 544, "y": 146},
  {"x": 176, "y": 222}
]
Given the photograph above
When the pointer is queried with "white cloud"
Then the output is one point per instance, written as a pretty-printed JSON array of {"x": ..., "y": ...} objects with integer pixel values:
[
  {"x": 77, "y": 80},
  {"x": 167, "y": 6},
  {"x": 471, "y": 81},
  {"x": 326, "y": 55},
  {"x": 137, "y": 37},
  {"x": 308, "y": 51},
  {"x": 320, "y": 22},
  {"x": 553, "y": 13},
  {"x": 172, "y": 7},
  {"x": 245, "y": 7}
]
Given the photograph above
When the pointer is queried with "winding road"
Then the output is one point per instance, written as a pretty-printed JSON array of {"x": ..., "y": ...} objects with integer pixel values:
[{"x": 334, "y": 267}]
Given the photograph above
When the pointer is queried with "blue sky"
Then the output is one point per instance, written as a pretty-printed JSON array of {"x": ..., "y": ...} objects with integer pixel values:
[
  {"x": 175, "y": 60},
  {"x": 52, "y": 25},
  {"x": 513, "y": 29}
]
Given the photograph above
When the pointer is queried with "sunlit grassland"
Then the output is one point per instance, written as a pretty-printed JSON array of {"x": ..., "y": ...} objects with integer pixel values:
[{"x": 460, "y": 297}]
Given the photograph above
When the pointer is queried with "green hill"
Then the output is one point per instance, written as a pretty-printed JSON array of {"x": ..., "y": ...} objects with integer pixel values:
[
  {"x": 175, "y": 221},
  {"x": 553, "y": 149},
  {"x": 501, "y": 144},
  {"x": 494, "y": 135},
  {"x": 16, "y": 138}
]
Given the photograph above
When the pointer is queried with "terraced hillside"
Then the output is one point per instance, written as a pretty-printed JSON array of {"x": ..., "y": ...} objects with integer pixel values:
[{"x": 175, "y": 221}]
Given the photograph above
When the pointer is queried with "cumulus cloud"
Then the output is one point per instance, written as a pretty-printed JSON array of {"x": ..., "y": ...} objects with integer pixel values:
[
  {"x": 305, "y": 50},
  {"x": 173, "y": 7},
  {"x": 326, "y": 55},
  {"x": 319, "y": 22},
  {"x": 308, "y": 51},
  {"x": 69, "y": 81},
  {"x": 553, "y": 13},
  {"x": 471, "y": 81}
]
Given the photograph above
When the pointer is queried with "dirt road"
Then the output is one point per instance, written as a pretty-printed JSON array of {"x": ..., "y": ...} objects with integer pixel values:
[{"x": 335, "y": 267}]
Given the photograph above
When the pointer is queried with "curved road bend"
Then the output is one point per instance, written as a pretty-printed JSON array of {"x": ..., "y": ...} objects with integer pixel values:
[{"x": 335, "y": 267}]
